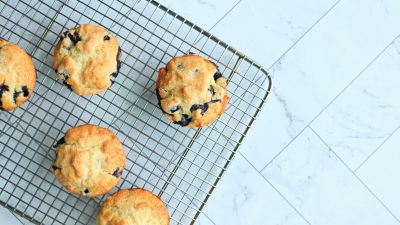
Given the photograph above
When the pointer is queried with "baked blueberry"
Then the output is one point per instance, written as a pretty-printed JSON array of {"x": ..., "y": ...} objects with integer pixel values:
[
  {"x": 74, "y": 37},
  {"x": 59, "y": 142},
  {"x": 54, "y": 167},
  {"x": 118, "y": 172},
  {"x": 202, "y": 107},
  {"x": 4, "y": 88},
  {"x": 185, "y": 120},
  {"x": 25, "y": 90}
]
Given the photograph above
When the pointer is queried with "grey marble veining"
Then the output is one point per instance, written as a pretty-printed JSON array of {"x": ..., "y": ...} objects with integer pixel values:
[
  {"x": 366, "y": 113},
  {"x": 321, "y": 187}
]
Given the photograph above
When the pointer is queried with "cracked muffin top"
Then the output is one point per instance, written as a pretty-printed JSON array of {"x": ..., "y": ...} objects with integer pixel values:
[
  {"x": 89, "y": 160},
  {"x": 135, "y": 206},
  {"x": 87, "y": 59},
  {"x": 191, "y": 91},
  {"x": 17, "y": 76}
]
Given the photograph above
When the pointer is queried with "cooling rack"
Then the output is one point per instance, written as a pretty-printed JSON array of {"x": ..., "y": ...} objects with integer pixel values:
[{"x": 180, "y": 165}]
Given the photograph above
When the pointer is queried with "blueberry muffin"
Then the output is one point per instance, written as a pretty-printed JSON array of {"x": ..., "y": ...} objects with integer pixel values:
[
  {"x": 133, "y": 207},
  {"x": 191, "y": 91},
  {"x": 17, "y": 76},
  {"x": 89, "y": 160},
  {"x": 87, "y": 59}
]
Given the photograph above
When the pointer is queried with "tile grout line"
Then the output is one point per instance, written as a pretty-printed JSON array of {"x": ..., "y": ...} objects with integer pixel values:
[
  {"x": 209, "y": 30},
  {"x": 208, "y": 218},
  {"x": 323, "y": 110},
  {"x": 15, "y": 216},
  {"x": 302, "y": 36},
  {"x": 225, "y": 15},
  {"x": 274, "y": 188},
  {"x": 376, "y": 149},
  {"x": 279, "y": 60},
  {"x": 354, "y": 174}
]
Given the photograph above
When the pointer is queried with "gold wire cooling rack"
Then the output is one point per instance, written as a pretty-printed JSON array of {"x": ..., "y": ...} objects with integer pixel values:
[{"x": 180, "y": 165}]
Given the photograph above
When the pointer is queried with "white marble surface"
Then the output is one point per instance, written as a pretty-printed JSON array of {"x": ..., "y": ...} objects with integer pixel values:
[
  {"x": 335, "y": 66},
  {"x": 321, "y": 187},
  {"x": 249, "y": 199},
  {"x": 366, "y": 113},
  {"x": 380, "y": 173}
]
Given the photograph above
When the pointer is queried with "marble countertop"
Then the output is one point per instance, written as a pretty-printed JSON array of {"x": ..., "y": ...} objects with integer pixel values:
[{"x": 324, "y": 150}]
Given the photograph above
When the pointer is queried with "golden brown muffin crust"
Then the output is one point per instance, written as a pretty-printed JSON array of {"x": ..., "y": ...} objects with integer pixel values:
[
  {"x": 17, "y": 76},
  {"x": 133, "y": 207},
  {"x": 89, "y": 160},
  {"x": 87, "y": 59},
  {"x": 191, "y": 91}
]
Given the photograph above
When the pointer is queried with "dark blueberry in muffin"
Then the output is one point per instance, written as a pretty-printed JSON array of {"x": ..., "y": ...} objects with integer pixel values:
[
  {"x": 185, "y": 120},
  {"x": 211, "y": 90},
  {"x": 59, "y": 142},
  {"x": 113, "y": 75},
  {"x": 203, "y": 107},
  {"x": 67, "y": 85},
  {"x": 65, "y": 78},
  {"x": 74, "y": 38},
  {"x": 217, "y": 75},
  {"x": 64, "y": 35},
  {"x": 86, "y": 191},
  {"x": 119, "y": 62},
  {"x": 15, "y": 95},
  {"x": 25, "y": 90},
  {"x": 106, "y": 38},
  {"x": 55, "y": 167},
  {"x": 4, "y": 88},
  {"x": 117, "y": 173},
  {"x": 215, "y": 100}
]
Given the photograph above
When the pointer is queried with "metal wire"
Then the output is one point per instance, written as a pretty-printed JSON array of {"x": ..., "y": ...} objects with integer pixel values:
[{"x": 182, "y": 166}]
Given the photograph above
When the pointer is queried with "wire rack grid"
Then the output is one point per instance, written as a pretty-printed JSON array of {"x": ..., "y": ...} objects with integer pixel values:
[{"x": 182, "y": 166}]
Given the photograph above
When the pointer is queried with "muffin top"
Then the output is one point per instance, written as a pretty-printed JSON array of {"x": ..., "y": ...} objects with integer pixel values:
[
  {"x": 133, "y": 207},
  {"x": 87, "y": 59},
  {"x": 17, "y": 76},
  {"x": 191, "y": 91},
  {"x": 89, "y": 160}
]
